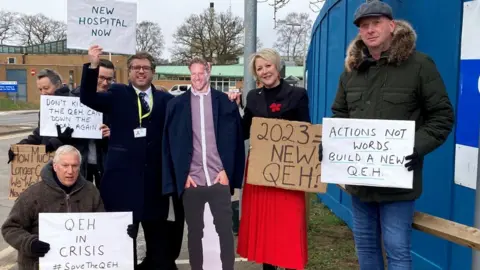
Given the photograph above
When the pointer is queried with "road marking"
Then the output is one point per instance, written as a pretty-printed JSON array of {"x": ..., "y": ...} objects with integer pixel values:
[
  {"x": 8, "y": 267},
  {"x": 15, "y": 135},
  {"x": 18, "y": 112},
  {"x": 4, "y": 255},
  {"x": 6, "y": 251}
]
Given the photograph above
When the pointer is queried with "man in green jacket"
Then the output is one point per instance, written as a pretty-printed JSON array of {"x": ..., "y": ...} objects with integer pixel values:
[
  {"x": 61, "y": 190},
  {"x": 386, "y": 78}
]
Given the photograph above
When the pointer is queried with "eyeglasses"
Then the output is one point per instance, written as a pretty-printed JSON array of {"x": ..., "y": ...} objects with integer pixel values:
[
  {"x": 108, "y": 79},
  {"x": 137, "y": 68}
]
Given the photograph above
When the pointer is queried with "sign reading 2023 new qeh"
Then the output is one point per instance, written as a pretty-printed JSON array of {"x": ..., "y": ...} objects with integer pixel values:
[{"x": 110, "y": 24}]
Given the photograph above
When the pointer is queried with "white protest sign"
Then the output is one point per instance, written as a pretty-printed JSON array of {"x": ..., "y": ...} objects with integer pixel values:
[
  {"x": 69, "y": 112},
  {"x": 86, "y": 241},
  {"x": 367, "y": 152},
  {"x": 110, "y": 24}
]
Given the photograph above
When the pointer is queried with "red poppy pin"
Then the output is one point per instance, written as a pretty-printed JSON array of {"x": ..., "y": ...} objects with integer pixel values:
[{"x": 275, "y": 107}]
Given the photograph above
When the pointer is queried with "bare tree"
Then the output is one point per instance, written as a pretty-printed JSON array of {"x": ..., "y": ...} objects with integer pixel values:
[
  {"x": 59, "y": 30},
  {"x": 276, "y": 4},
  {"x": 216, "y": 37},
  {"x": 316, "y": 5},
  {"x": 163, "y": 61},
  {"x": 37, "y": 29},
  {"x": 150, "y": 38},
  {"x": 292, "y": 36},
  {"x": 7, "y": 24},
  {"x": 259, "y": 43}
]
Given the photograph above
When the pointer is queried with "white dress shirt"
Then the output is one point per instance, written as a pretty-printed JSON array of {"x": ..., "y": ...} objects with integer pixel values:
[{"x": 148, "y": 93}]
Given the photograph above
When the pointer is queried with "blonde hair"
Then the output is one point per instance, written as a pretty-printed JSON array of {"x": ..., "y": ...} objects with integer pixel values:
[
  {"x": 201, "y": 61},
  {"x": 267, "y": 54}
]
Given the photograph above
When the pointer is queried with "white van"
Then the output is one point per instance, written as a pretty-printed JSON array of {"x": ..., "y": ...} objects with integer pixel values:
[{"x": 179, "y": 89}]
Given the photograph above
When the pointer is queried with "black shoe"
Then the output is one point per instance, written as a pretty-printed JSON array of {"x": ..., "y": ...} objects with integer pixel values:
[
  {"x": 269, "y": 267},
  {"x": 143, "y": 265}
]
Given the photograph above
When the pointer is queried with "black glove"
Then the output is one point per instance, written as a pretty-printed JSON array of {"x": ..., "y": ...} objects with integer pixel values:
[
  {"x": 49, "y": 148},
  {"x": 320, "y": 152},
  {"x": 64, "y": 136},
  {"x": 39, "y": 248},
  {"x": 11, "y": 155},
  {"x": 132, "y": 230},
  {"x": 414, "y": 160}
]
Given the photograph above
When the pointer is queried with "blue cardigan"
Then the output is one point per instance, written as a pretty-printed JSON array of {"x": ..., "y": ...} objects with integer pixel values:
[{"x": 178, "y": 142}]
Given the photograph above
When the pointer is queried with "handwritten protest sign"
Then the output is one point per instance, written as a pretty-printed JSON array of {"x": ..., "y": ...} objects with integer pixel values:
[
  {"x": 284, "y": 154},
  {"x": 69, "y": 112},
  {"x": 367, "y": 152},
  {"x": 26, "y": 166},
  {"x": 86, "y": 241},
  {"x": 108, "y": 23}
]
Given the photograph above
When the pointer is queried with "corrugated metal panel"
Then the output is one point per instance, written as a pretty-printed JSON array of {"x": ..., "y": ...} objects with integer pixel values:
[{"x": 440, "y": 38}]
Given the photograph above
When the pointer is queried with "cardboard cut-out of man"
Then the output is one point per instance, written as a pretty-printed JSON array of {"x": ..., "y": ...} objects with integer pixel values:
[{"x": 204, "y": 160}]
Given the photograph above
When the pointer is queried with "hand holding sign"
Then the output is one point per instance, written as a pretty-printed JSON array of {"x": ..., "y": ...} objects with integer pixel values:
[
  {"x": 413, "y": 160},
  {"x": 320, "y": 152},
  {"x": 64, "y": 136},
  {"x": 234, "y": 96},
  {"x": 94, "y": 53},
  {"x": 105, "y": 131},
  {"x": 11, "y": 156},
  {"x": 39, "y": 248}
]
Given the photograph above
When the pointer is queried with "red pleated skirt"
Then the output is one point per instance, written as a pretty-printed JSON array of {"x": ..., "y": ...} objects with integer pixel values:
[{"x": 273, "y": 227}]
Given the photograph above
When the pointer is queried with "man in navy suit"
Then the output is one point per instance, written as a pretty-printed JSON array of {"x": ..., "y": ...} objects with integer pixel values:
[
  {"x": 132, "y": 176},
  {"x": 204, "y": 160}
]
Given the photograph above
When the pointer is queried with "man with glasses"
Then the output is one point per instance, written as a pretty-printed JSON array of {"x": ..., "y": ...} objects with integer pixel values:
[
  {"x": 96, "y": 149},
  {"x": 132, "y": 176}
]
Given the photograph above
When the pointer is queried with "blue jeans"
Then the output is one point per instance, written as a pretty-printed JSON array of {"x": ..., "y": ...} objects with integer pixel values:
[{"x": 393, "y": 221}]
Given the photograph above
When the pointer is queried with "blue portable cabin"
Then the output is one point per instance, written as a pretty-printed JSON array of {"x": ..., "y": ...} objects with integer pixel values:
[{"x": 438, "y": 24}]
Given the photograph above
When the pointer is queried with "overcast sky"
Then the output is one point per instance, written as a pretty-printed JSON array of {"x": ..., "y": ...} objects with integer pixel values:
[{"x": 169, "y": 14}]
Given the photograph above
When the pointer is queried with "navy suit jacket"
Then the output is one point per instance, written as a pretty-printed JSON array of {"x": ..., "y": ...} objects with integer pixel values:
[
  {"x": 132, "y": 177},
  {"x": 178, "y": 141}
]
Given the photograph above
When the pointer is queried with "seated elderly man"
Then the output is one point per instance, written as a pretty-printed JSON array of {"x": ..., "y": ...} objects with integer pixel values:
[{"x": 63, "y": 189}]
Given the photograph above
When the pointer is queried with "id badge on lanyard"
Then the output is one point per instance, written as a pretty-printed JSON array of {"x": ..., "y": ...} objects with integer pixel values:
[{"x": 141, "y": 132}]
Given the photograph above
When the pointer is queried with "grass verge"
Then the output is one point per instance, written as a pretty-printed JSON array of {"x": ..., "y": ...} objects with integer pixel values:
[
  {"x": 330, "y": 241},
  {"x": 7, "y": 104}
]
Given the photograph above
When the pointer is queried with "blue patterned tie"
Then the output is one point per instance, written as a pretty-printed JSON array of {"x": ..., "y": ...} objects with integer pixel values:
[{"x": 145, "y": 107}]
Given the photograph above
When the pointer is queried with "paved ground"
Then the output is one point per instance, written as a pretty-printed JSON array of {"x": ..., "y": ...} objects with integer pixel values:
[
  {"x": 5, "y": 203},
  {"x": 22, "y": 118},
  {"x": 8, "y": 262}
]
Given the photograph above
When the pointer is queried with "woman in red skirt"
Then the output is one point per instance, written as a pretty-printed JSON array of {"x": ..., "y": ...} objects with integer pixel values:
[{"x": 273, "y": 228}]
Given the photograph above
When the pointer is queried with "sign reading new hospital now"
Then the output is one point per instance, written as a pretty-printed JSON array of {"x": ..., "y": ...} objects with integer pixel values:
[{"x": 110, "y": 24}]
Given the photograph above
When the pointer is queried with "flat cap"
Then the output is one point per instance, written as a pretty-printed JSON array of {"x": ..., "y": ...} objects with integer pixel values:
[{"x": 372, "y": 8}]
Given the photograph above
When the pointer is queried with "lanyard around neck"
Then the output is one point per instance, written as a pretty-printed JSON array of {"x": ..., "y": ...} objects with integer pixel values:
[{"x": 140, "y": 117}]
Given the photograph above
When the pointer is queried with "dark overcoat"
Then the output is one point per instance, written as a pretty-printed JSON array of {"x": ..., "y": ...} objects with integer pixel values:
[{"x": 132, "y": 177}]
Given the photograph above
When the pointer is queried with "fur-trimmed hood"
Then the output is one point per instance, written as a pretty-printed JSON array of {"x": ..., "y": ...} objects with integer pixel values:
[{"x": 403, "y": 45}]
